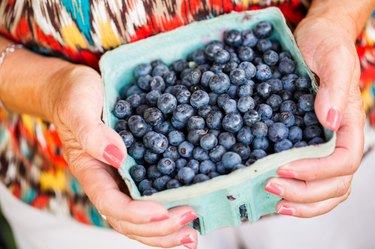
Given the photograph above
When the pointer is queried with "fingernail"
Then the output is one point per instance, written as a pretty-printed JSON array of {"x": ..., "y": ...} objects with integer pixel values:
[
  {"x": 274, "y": 188},
  {"x": 333, "y": 119},
  {"x": 187, "y": 240},
  {"x": 189, "y": 247},
  {"x": 188, "y": 217},
  {"x": 113, "y": 155},
  {"x": 159, "y": 218},
  {"x": 286, "y": 173},
  {"x": 284, "y": 210}
]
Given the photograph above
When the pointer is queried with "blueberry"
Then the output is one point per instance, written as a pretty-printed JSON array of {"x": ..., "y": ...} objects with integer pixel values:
[
  {"x": 199, "y": 99},
  {"x": 206, "y": 76},
  {"x": 199, "y": 57},
  {"x": 295, "y": 134},
  {"x": 121, "y": 125},
  {"x": 288, "y": 106},
  {"x": 222, "y": 99},
  {"x": 259, "y": 129},
  {"x": 219, "y": 83},
  {"x": 263, "y": 72},
  {"x": 289, "y": 82},
  {"x": 264, "y": 45},
  {"x": 245, "y": 53},
  {"x": 298, "y": 94},
  {"x": 127, "y": 137},
  {"x": 276, "y": 46},
  {"x": 258, "y": 60},
  {"x": 180, "y": 163},
  {"x": 177, "y": 124},
  {"x": 227, "y": 140},
  {"x": 237, "y": 76},
  {"x": 238, "y": 166},
  {"x": 268, "y": 122},
  {"x": 185, "y": 175},
  {"x": 144, "y": 185},
  {"x": 216, "y": 153},
  {"x": 204, "y": 111},
  {"x": 276, "y": 74},
  {"x": 232, "y": 91},
  {"x": 286, "y": 66},
  {"x": 138, "y": 173},
  {"x": 194, "y": 165},
  {"x": 264, "y": 111},
  {"x": 196, "y": 123},
  {"x": 316, "y": 141},
  {"x": 151, "y": 157},
  {"x": 310, "y": 119},
  {"x": 276, "y": 85},
  {"x": 258, "y": 154},
  {"x": 167, "y": 103},
  {"x": 233, "y": 38},
  {"x": 212, "y": 48},
  {"x": 251, "y": 117},
  {"x": 230, "y": 159},
  {"x": 245, "y": 90},
  {"x": 222, "y": 57},
  {"x": 192, "y": 77},
  {"x": 217, "y": 68},
  {"x": 132, "y": 90},
  {"x": 287, "y": 118},
  {"x": 249, "y": 68},
  {"x": 299, "y": 121},
  {"x": 143, "y": 82},
  {"x": 186, "y": 149},
  {"x": 245, "y": 104},
  {"x": 303, "y": 83},
  {"x": 153, "y": 173},
  {"x": 274, "y": 101},
  {"x": 263, "y": 29},
  {"x": 156, "y": 62},
  {"x": 278, "y": 132},
  {"x": 213, "y": 98},
  {"x": 260, "y": 143},
  {"x": 300, "y": 144},
  {"x": 166, "y": 166},
  {"x": 177, "y": 88},
  {"x": 183, "y": 96},
  {"x": 157, "y": 83},
  {"x": 229, "y": 106},
  {"x": 173, "y": 183},
  {"x": 183, "y": 112},
  {"x": 232, "y": 122},
  {"x": 270, "y": 57},
  {"x": 179, "y": 65},
  {"x": 264, "y": 90},
  {"x": 234, "y": 58},
  {"x": 172, "y": 153},
  {"x": 153, "y": 116},
  {"x": 160, "y": 70},
  {"x": 137, "y": 125},
  {"x": 221, "y": 169},
  {"x": 208, "y": 141},
  {"x": 213, "y": 120},
  {"x": 286, "y": 95},
  {"x": 122, "y": 109},
  {"x": 200, "y": 178},
  {"x": 312, "y": 131},
  {"x": 163, "y": 127},
  {"x": 156, "y": 142},
  {"x": 249, "y": 39},
  {"x": 306, "y": 102},
  {"x": 161, "y": 182},
  {"x": 213, "y": 174},
  {"x": 242, "y": 150},
  {"x": 214, "y": 132},
  {"x": 194, "y": 136},
  {"x": 141, "y": 110},
  {"x": 245, "y": 136},
  {"x": 134, "y": 100},
  {"x": 231, "y": 65},
  {"x": 282, "y": 145},
  {"x": 142, "y": 70},
  {"x": 152, "y": 97},
  {"x": 149, "y": 191},
  {"x": 207, "y": 166},
  {"x": 200, "y": 154},
  {"x": 285, "y": 54}
]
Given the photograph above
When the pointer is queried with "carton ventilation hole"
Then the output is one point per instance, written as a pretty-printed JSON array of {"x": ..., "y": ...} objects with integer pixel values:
[
  {"x": 197, "y": 224},
  {"x": 243, "y": 213}
]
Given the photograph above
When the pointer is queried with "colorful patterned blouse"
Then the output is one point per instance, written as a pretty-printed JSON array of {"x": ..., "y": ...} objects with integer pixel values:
[{"x": 31, "y": 162}]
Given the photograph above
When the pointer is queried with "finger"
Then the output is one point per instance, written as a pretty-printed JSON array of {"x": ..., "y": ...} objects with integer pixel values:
[
  {"x": 311, "y": 209},
  {"x": 346, "y": 157},
  {"x": 309, "y": 192},
  {"x": 179, "y": 217},
  {"x": 83, "y": 117},
  {"x": 186, "y": 236},
  {"x": 104, "y": 193}
]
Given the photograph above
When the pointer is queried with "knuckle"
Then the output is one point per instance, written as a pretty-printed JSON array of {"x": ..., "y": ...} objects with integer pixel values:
[{"x": 342, "y": 186}]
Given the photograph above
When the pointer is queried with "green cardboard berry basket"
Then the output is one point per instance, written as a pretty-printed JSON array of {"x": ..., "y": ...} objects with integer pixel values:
[{"x": 225, "y": 200}]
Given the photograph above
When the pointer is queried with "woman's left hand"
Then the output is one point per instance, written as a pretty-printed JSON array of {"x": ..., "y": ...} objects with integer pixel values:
[{"x": 313, "y": 187}]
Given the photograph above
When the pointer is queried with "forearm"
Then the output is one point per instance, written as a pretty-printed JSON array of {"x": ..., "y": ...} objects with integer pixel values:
[
  {"x": 28, "y": 81},
  {"x": 352, "y": 15}
]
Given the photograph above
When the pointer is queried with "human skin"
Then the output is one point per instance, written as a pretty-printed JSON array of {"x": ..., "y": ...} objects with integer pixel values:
[{"x": 71, "y": 97}]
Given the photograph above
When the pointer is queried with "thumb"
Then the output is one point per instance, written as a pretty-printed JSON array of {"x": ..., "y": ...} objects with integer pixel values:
[{"x": 335, "y": 67}]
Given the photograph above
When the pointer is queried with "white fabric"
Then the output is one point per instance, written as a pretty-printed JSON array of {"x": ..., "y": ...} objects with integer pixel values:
[{"x": 349, "y": 226}]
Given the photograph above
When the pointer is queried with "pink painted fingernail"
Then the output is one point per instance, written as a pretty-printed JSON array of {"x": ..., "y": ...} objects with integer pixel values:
[
  {"x": 187, "y": 240},
  {"x": 159, "y": 218},
  {"x": 333, "y": 119},
  {"x": 188, "y": 217},
  {"x": 274, "y": 188},
  {"x": 286, "y": 173},
  {"x": 189, "y": 247},
  {"x": 284, "y": 210},
  {"x": 113, "y": 155}
]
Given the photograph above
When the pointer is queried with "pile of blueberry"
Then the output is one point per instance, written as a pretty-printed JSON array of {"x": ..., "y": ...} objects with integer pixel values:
[{"x": 227, "y": 105}]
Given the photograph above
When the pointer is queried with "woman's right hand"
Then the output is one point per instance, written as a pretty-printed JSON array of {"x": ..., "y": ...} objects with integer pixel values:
[{"x": 90, "y": 145}]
